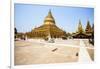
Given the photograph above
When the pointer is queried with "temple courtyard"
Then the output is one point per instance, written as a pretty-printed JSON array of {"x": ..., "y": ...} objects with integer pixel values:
[{"x": 38, "y": 51}]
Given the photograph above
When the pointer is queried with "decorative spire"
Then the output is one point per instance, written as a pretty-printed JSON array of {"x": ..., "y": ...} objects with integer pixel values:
[
  {"x": 49, "y": 14},
  {"x": 80, "y": 29},
  {"x": 49, "y": 20}
]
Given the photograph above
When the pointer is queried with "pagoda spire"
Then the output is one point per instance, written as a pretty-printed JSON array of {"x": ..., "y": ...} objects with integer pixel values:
[
  {"x": 80, "y": 29},
  {"x": 49, "y": 13},
  {"x": 49, "y": 20}
]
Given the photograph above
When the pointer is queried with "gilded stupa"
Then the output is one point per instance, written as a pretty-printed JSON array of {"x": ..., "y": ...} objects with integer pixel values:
[{"x": 48, "y": 28}]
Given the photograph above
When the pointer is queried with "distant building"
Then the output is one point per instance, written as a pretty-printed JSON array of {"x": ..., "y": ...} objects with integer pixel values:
[
  {"x": 83, "y": 34},
  {"x": 48, "y": 28}
]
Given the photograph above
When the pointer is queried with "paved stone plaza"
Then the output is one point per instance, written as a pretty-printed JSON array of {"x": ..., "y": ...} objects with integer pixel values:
[{"x": 37, "y": 51}]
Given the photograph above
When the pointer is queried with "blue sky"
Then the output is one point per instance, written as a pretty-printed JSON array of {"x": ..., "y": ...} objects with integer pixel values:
[{"x": 28, "y": 16}]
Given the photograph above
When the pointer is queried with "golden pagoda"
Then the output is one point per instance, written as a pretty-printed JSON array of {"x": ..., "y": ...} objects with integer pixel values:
[{"x": 48, "y": 28}]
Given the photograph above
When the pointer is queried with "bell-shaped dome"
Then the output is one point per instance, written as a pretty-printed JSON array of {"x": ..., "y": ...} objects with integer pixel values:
[{"x": 49, "y": 19}]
